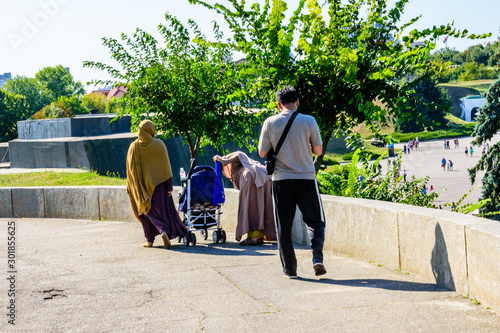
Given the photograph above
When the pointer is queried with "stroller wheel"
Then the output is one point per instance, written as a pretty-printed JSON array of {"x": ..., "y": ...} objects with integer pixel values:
[
  {"x": 222, "y": 236},
  {"x": 215, "y": 236},
  {"x": 193, "y": 239},
  {"x": 204, "y": 234},
  {"x": 187, "y": 239}
]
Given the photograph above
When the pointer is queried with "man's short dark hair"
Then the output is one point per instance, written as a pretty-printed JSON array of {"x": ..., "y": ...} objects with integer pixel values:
[{"x": 287, "y": 95}]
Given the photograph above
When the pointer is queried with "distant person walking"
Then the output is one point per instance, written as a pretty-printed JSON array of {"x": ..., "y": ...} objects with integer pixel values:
[
  {"x": 443, "y": 164},
  {"x": 466, "y": 152},
  {"x": 450, "y": 165},
  {"x": 149, "y": 186},
  {"x": 294, "y": 179},
  {"x": 471, "y": 151},
  {"x": 404, "y": 175}
]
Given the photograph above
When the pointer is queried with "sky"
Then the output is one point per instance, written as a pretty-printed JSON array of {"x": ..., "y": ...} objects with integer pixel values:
[{"x": 38, "y": 33}]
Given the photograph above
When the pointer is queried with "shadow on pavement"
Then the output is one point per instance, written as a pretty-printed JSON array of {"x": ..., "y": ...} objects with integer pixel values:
[
  {"x": 380, "y": 284},
  {"x": 226, "y": 249}
]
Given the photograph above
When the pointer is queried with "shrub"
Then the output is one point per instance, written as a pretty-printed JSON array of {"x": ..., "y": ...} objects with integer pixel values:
[{"x": 361, "y": 179}]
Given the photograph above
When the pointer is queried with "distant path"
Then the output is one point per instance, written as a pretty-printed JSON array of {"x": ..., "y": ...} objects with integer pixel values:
[{"x": 426, "y": 161}]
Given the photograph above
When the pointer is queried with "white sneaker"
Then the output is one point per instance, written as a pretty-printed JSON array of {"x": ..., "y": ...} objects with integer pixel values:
[{"x": 292, "y": 277}]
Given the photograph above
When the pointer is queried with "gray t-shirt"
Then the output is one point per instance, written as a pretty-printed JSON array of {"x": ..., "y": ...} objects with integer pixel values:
[{"x": 294, "y": 160}]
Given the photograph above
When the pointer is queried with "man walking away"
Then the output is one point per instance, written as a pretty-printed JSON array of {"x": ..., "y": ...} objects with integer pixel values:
[{"x": 294, "y": 179}]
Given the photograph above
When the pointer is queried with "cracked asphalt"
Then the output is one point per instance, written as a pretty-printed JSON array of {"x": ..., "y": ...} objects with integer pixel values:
[{"x": 94, "y": 276}]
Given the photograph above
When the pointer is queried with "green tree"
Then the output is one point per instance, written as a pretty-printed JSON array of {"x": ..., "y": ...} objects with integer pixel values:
[
  {"x": 459, "y": 58},
  {"x": 95, "y": 102},
  {"x": 445, "y": 54},
  {"x": 487, "y": 125},
  {"x": 73, "y": 103},
  {"x": 64, "y": 107},
  {"x": 341, "y": 58},
  {"x": 445, "y": 74},
  {"x": 478, "y": 54},
  {"x": 428, "y": 108},
  {"x": 59, "y": 81},
  {"x": 474, "y": 71},
  {"x": 36, "y": 95},
  {"x": 100, "y": 103},
  {"x": 112, "y": 106},
  {"x": 11, "y": 110},
  {"x": 188, "y": 87}
]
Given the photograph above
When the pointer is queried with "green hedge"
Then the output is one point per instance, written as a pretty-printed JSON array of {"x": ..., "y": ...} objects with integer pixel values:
[{"x": 465, "y": 130}]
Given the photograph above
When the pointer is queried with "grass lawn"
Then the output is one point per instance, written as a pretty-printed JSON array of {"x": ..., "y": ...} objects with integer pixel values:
[
  {"x": 480, "y": 85},
  {"x": 51, "y": 178}
]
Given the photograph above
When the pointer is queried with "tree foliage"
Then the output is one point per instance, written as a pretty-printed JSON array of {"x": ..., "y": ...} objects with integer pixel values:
[
  {"x": 11, "y": 107},
  {"x": 445, "y": 54},
  {"x": 487, "y": 125},
  {"x": 59, "y": 81},
  {"x": 95, "y": 102},
  {"x": 64, "y": 107},
  {"x": 36, "y": 95},
  {"x": 187, "y": 88},
  {"x": 344, "y": 58},
  {"x": 100, "y": 103},
  {"x": 474, "y": 71},
  {"x": 428, "y": 108}
]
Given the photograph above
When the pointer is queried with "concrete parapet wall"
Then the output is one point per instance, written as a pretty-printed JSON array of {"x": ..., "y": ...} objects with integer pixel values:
[
  {"x": 79, "y": 126},
  {"x": 456, "y": 251},
  {"x": 4, "y": 152},
  {"x": 44, "y": 128}
]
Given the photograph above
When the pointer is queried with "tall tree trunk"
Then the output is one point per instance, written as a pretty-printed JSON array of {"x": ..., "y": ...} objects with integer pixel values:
[
  {"x": 319, "y": 159},
  {"x": 192, "y": 149}
]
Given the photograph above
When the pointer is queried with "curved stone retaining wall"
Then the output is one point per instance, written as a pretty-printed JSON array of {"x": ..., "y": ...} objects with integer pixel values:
[{"x": 456, "y": 251}]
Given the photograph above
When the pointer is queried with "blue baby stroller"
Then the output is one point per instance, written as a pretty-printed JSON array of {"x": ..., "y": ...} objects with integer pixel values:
[{"x": 200, "y": 201}]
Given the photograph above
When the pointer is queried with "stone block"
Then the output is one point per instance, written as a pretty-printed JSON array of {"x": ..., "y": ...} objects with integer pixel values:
[
  {"x": 75, "y": 202},
  {"x": 114, "y": 204},
  {"x": 432, "y": 244},
  {"x": 299, "y": 229},
  {"x": 364, "y": 228},
  {"x": 28, "y": 202},
  {"x": 37, "y": 154},
  {"x": 229, "y": 217},
  {"x": 483, "y": 253},
  {"x": 5, "y": 202}
]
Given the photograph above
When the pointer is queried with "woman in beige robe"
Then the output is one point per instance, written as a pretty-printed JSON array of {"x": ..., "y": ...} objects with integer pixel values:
[{"x": 255, "y": 209}]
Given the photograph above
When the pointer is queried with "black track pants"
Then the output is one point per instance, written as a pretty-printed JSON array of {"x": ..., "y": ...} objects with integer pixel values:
[{"x": 304, "y": 193}]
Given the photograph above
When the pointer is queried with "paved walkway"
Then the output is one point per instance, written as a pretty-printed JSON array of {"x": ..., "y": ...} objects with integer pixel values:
[{"x": 94, "y": 276}]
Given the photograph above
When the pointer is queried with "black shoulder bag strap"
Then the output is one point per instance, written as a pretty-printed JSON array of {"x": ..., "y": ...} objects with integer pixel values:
[
  {"x": 271, "y": 154},
  {"x": 285, "y": 132}
]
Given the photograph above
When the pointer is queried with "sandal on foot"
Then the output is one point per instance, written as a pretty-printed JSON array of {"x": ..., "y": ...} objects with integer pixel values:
[
  {"x": 249, "y": 241},
  {"x": 166, "y": 240},
  {"x": 147, "y": 244}
]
